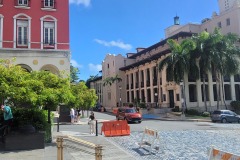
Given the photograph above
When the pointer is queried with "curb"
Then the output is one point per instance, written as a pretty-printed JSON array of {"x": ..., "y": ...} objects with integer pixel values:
[{"x": 186, "y": 120}]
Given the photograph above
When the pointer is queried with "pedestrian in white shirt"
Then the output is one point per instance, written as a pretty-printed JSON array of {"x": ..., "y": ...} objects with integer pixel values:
[{"x": 72, "y": 114}]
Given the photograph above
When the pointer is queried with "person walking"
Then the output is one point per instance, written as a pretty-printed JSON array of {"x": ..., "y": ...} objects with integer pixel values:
[
  {"x": 92, "y": 123},
  {"x": 7, "y": 115},
  {"x": 78, "y": 114},
  {"x": 72, "y": 114}
]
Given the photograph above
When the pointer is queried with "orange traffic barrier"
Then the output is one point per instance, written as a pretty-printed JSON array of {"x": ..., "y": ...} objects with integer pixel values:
[
  {"x": 115, "y": 110},
  {"x": 115, "y": 128},
  {"x": 218, "y": 154}
]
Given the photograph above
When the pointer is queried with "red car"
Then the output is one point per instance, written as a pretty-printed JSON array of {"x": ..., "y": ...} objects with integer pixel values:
[{"x": 129, "y": 114}]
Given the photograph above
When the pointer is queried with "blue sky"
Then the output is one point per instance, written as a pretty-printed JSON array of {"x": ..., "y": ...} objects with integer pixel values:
[{"x": 99, "y": 27}]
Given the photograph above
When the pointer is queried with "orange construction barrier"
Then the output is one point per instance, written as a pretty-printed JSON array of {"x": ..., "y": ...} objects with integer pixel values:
[
  {"x": 115, "y": 128},
  {"x": 218, "y": 154},
  {"x": 115, "y": 110}
]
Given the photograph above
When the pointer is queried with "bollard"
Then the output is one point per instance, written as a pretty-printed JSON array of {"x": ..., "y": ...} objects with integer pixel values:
[
  {"x": 59, "y": 148},
  {"x": 96, "y": 128},
  {"x": 98, "y": 152},
  {"x": 57, "y": 124}
]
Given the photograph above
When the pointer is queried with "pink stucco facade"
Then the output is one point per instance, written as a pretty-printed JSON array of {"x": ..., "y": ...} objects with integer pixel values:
[{"x": 35, "y": 12}]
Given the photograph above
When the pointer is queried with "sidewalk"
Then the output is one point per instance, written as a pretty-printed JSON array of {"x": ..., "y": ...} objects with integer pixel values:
[{"x": 111, "y": 150}]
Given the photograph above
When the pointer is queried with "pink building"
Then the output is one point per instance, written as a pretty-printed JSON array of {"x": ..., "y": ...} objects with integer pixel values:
[{"x": 36, "y": 32}]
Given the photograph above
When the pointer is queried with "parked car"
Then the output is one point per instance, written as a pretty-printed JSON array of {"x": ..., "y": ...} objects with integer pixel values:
[
  {"x": 99, "y": 108},
  {"x": 225, "y": 116},
  {"x": 129, "y": 114}
]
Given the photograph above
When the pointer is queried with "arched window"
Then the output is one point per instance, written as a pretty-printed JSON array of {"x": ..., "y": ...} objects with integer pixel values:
[
  {"x": 22, "y": 31},
  {"x": 48, "y": 32}
]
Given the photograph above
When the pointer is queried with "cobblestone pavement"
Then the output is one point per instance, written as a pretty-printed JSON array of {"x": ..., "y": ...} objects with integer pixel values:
[{"x": 182, "y": 145}]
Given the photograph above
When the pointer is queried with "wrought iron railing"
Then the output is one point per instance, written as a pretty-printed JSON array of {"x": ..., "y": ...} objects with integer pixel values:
[
  {"x": 49, "y": 4},
  {"x": 24, "y": 3}
]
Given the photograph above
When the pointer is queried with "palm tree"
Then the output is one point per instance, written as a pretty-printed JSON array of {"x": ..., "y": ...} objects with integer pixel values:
[
  {"x": 110, "y": 80},
  {"x": 227, "y": 60},
  {"x": 179, "y": 62},
  {"x": 217, "y": 54},
  {"x": 202, "y": 52}
]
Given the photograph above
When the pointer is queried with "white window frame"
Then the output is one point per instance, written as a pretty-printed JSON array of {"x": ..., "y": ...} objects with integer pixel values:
[
  {"x": 45, "y": 19},
  {"x": 47, "y": 3},
  {"x": 23, "y": 2},
  {"x": 47, "y": 28},
  {"x": 23, "y": 25},
  {"x": 28, "y": 19},
  {"x": 1, "y": 30}
]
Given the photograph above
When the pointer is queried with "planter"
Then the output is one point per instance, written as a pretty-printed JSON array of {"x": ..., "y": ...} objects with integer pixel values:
[
  {"x": 27, "y": 129},
  {"x": 23, "y": 141}
]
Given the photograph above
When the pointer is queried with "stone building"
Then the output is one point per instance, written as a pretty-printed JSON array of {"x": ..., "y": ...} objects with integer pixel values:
[{"x": 142, "y": 80}]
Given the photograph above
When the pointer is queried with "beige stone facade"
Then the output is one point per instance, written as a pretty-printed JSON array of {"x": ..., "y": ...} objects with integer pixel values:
[{"x": 54, "y": 61}]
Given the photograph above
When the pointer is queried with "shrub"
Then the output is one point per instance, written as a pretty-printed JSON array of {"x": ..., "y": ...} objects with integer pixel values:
[
  {"x": 206, "y": 114},
  {"x": 235, "y": 105},
  {"x": 193, "y": 112},
  {"x": 36, "y": 117}
]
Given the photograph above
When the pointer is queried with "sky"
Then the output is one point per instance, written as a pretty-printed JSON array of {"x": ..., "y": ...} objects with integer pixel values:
[{"x": 101, "y": 27}]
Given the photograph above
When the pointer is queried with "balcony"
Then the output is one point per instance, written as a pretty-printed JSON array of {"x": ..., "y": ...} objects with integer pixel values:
[
  {"x": 48, "y": 4},
  {"x": 21, "y": 3}
]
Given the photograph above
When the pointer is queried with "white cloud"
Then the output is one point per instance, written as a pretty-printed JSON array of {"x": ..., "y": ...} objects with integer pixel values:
[
  {"x": 118, "y": 44},
  {"x": 95, "y": 68},
  {"x": 75, "y": 64},
  {"x": 86, "y": 3}
]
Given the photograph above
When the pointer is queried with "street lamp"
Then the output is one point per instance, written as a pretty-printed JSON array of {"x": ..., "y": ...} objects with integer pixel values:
[
  {"x": 120, "y": 96},
  {"x": 156, "y": 98}
]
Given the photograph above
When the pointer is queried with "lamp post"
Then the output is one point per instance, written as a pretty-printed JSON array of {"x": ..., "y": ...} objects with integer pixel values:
[
  {"x": 120, "y": 96},
  {"x": 156, "y": 98}
]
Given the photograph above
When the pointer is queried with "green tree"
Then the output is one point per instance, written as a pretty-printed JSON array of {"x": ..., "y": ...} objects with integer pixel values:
[
  {"x": 225, "y": 58},
  {"x": 178, "y": 62},
  {"x": 202, "y": 52},
  {"x": 90, "y": 79},
  {"x": 110, "y": 80},
  {"x": 85, "y": 98},
  {"x": 217, "y": 54},
  {"x": 74, "y": 71},
  {"x": 56, "y": 90}
]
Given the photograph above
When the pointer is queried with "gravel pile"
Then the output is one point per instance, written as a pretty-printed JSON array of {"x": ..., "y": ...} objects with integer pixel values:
[{"x": 183, "y": 145}]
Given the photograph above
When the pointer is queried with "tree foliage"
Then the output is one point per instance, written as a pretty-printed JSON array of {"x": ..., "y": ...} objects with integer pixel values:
[
  {"x": 85, "y": 98},
  {"x": 110, "y": 80},
  {"x": 74, "y": 74},
  {"x": 41, "y": 89}
]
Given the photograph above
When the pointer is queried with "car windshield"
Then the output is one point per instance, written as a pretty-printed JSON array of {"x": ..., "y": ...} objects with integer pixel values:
[
  {"x": 130, "y": 111},
  {"x": 217, "y": 112}
]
